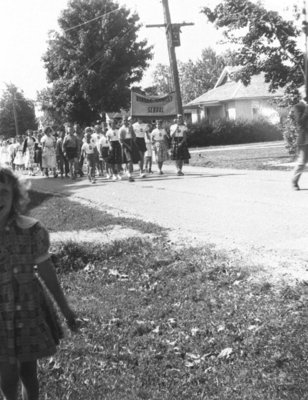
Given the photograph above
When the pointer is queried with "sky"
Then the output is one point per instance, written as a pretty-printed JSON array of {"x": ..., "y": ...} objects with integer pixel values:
[{"x": 24, "y": 27}]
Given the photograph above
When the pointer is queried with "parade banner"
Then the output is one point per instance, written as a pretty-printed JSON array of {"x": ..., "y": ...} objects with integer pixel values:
[{"x": 153, "y": 106}]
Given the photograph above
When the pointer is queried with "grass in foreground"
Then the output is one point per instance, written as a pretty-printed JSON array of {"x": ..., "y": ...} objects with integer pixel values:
[{"x": 165, "y": 324}]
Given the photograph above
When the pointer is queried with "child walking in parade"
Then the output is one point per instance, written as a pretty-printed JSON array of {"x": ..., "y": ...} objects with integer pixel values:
[
  {"x": 149, "y": 150},
  {"x": 71, "y": 149},
  {"x": 104, "y": 149},
  {"x": 28, "y": 152},
  {"x": 90, "y": 153},
  {"x": 19, "y": 161},
  {"x": 160, "y": 143},
  {"x": 29, "y": 328},
  {"x": 115, "y": 151}
]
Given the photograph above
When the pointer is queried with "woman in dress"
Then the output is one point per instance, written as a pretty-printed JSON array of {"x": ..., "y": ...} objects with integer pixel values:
[
  {"x": 29, "y": 152},
  {"x": 148, "y": 155},
  {"x": 5, "y": 158},
  {"x": 19, "y": 161},
  {"x": 49, "y": 160},
  {"x": 159, "y": 138},
  {"x": 179, "y": 149}
]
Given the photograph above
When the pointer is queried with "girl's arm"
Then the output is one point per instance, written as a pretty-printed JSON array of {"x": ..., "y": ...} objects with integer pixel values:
[
  {"x": 47, "y": 272},
  {"x": 184, "y": 140}
]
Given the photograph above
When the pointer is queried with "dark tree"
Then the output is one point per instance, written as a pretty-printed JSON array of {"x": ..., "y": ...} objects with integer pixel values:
[
  {"x": 93, "y": 60},
  {"x": 17, "y": 114}
]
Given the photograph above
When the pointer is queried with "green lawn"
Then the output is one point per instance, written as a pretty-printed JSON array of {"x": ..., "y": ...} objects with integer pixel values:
[
  {"x": 160, "y": 323},
  {"x": 263, "y": 157}
]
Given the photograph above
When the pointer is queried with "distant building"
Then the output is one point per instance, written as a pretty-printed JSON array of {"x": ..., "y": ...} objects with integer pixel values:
[{"x": 233, "y": 100}]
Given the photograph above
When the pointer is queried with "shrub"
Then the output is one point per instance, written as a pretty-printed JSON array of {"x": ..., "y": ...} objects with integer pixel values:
[
  {"x": 289, "y": 131},
  {"x": 225, "y": 132}
]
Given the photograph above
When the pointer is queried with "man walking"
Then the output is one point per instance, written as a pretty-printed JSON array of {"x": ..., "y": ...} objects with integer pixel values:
[{"x": 301, "y": 119}]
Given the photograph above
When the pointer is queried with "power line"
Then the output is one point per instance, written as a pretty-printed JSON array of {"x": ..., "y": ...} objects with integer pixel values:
[{"x": 91, "y": 20}]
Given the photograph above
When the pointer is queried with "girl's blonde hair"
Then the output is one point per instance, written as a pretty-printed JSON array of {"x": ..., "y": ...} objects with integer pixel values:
[{"x": 20, "y": 190}]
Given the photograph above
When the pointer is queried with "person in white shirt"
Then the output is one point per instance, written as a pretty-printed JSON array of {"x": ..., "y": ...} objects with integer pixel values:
[
  {"x": 90, "y": 153},
  {"x": 130, "y": 151},
  {"x": 140, "y": 129},
  {"x": 103, "y": 148},
  {"x": 148, "y": 155},
  {"x": 179, "y": 149},
  {"x": 115, "y": 150},
  {"x": 159, "y": 138}
]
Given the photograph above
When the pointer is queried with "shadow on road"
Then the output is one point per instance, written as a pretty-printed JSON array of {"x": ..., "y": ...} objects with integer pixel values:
[{"x": 45, "y": 183}]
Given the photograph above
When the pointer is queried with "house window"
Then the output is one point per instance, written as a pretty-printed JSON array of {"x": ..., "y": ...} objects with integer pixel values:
[{"x": 231, "y": 114}]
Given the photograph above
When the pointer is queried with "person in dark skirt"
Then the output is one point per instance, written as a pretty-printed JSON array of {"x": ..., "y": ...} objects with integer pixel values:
[
  {"x": 104, "y": 148},
  {"x": 130, "y": 151},
  {"x": 38, "y": 152},
  {"x": 179, "y": 149},
  {"x": 114, "y": 158},
  {"x": 140, "y": 129},
  {"x": 63, "y": 166},
  {"x": 70, "y": 149}
]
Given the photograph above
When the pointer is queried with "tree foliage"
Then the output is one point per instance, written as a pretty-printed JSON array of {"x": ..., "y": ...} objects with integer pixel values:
[
  {"x": 196, "y": 77},
  {"x": 93, "y": 60},
  {"x": 25, "y": 112},
  {"x": 200, "y": 76},
  {"x": 265, "y": 42}
]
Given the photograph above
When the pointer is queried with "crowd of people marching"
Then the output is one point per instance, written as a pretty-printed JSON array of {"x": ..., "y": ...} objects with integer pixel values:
[{"x": 107, "y": 149}]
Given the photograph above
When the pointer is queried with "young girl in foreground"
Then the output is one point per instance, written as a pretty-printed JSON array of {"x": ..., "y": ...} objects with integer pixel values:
[{"x": 27, "y": 328}]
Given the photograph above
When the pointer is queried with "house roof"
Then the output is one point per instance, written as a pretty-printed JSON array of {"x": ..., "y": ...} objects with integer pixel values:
[{"x": 227, "y": 89}]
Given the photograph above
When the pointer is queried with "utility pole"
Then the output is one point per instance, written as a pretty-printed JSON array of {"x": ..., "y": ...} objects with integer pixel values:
[
  {"x": 173, "y": 40},
  {"x": 15, "y": 114}
]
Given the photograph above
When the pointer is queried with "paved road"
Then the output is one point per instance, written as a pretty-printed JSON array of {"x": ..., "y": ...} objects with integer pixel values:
[{"x": 252, "y": 210}]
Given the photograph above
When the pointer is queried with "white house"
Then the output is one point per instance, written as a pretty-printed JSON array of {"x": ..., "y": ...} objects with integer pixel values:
[{"x": 233, "y": 100}]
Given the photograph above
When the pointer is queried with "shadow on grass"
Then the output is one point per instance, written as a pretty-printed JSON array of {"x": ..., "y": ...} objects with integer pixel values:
[
  {"x": 60, "y": 214},
  {"x": 37, "y": 199}
]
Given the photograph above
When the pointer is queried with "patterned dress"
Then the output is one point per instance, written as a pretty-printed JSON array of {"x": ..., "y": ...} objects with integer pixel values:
[
  {"x": 49, "y": 152},
  {"x": 25, "y": 334},
  {"x": 159, "y": 138}
]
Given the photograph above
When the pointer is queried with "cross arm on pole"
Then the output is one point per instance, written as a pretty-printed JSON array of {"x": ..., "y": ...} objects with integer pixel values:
[
  {"x": 156, "y": 26},
  {"x": 165, "y": 25}
]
